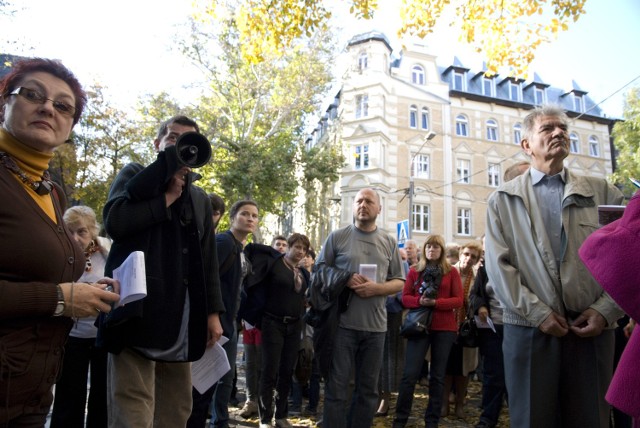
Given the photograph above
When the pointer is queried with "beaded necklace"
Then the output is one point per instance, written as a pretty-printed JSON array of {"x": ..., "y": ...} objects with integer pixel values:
[{"x": 42, "y": 188}]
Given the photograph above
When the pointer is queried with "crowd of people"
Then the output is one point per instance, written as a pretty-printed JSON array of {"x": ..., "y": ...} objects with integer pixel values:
[{"x": 546, "y": 324}]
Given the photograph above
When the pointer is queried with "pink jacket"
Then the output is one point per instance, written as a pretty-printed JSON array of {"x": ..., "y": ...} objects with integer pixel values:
[{"x": 612, "y": 255}]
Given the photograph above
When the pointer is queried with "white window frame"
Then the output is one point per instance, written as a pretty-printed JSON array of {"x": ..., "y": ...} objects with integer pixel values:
[
  {"x": 462, "y": 124},
  {"x": 361, "y": 156},
  {"x": 517, "y": 133},
  {"x": 488, "y": 86},
  {"x": 458, "y": 81},
  {"x": 421, "y": 217},
  {"x": 492, "y": 130},
  {"x": 413, "y": 116},
  {"x": 363, "y": 61},
  {"x": 574, "y": 143},
  {"x": 464, "y": 221},
  {"x": 421, "y": 167},
  {"x": 493, "y": 173},
  {"x": 578, "y": 103},
  {"x": 463, "y": 171},
  {"x": 539, "y": 95},
  {"x": 515, "y": 91},
  {"x": 424, "y": 118},
  {"x": 594, "y": 147},
  {"x": 362, "y": 106},
  {"x": 418, "y": 75}
]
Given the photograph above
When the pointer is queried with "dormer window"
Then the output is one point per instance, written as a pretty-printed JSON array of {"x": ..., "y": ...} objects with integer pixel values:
[
  {"x": 578, "y": 103},
  {"x": 539, "y": 96},
  {"x": 417, "y": 75},
  {"x": 488, "y": 86},
  {"x": 458, "y": 81},
  {"x": 515, "y": 91}
]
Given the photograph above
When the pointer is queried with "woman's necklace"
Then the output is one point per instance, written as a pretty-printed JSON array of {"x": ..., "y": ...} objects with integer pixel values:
[
  {"x": 91, "y": 249},
  {"x": 42, "y": 188}
]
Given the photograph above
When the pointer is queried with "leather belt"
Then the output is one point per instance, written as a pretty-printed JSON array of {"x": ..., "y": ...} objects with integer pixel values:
[{"x": 283, "y": 319}]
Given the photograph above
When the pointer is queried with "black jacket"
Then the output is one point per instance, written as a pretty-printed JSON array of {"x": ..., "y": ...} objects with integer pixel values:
[{"x": 180, "y": 255}]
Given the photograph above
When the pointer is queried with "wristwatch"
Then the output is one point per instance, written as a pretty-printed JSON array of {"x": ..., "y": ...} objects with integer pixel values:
[{"x": 60, "y": 306}]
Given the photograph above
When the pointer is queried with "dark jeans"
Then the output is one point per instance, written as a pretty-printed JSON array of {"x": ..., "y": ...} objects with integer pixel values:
[
  {"x": 494, "y": 389},
  {"x": 440, "y": 343},
  {"x": 80, "y": 356},
  {"x": 362, "y": 350},
  {"x": 314, "y": 389},
  {"x": 219, "y": 392},
  {"x": 280, "y": 345}
]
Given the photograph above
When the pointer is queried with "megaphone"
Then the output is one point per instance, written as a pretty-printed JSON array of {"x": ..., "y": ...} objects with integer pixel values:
[{"x": 193, "y": 149}]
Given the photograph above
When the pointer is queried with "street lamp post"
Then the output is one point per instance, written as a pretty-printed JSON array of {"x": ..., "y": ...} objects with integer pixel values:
[{"x": 427, "y": 137}]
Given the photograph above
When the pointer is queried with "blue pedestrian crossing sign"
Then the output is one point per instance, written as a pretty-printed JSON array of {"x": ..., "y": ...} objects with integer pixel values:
[{"x": 403, "y": 232}]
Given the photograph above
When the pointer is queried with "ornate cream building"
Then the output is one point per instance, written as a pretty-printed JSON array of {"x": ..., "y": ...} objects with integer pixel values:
[{"x": 435, "y": 141}]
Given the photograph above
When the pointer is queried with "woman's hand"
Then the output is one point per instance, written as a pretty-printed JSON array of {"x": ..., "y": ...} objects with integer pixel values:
[
  {"x": 425, "y": 301},
  {"x": 483, "y": 313},
  {"x": 86, "y": 300}
]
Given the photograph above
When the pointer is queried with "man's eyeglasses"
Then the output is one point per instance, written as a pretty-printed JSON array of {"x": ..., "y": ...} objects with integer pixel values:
[{"x": 36, "y": 97}]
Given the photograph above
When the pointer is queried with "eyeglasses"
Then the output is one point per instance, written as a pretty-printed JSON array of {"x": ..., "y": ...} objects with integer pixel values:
[
  {"x": 471, "y": 256},
  {"x": 36, "y": 97}
]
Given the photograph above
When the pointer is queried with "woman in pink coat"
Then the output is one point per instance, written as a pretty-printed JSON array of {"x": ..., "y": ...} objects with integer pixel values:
[{"x": 612, "y": 255}]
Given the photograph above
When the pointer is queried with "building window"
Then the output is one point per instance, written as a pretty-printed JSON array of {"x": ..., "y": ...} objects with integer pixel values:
[
  {"x": 574, "y": 143},
  {"x": 361, "y": 156},
  {"x": 417, "y": 75},
  {"x": 539, "y": 96},
  {"x": 363, "y": 61},
  {"x": 464, "y": 171},
  {"x": 494, "y": 174},
  {"x": 488, "y": 86},
  {"x": 362, "y": 106},
  {"x": 461, "y": 126},
  {"x": 517, "y": 134},
  {"x": 458, "y": 80},
  {"x": 594, "y": 147},
  {"x": 492, "y": 130},
  {"x": 421, "y": 166},
  {"x": 424, "y": 118},
  {"x": 420, "y": 218},
  {"x": 413, "y": 117},
  {"x": 464, "y": 221},
  {"x": 578, "y": 103},
  {"x": 514, "y": 91}
]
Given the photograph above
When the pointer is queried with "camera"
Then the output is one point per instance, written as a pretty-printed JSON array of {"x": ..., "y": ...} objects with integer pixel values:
[{"x": 193, "y": 149}]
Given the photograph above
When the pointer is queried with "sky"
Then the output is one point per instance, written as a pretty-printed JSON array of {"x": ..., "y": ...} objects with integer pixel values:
[{"x": 128, "y": 45}]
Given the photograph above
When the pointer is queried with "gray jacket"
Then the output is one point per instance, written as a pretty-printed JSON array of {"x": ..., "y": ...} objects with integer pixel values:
[{"x": 521, "y": 263}]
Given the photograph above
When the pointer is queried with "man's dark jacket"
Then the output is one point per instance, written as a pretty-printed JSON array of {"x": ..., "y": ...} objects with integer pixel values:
[{"x": 180, "y": 256}]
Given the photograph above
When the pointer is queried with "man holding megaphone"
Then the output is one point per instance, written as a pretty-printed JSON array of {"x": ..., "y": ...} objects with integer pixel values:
[{"x": 157, "y": 210}]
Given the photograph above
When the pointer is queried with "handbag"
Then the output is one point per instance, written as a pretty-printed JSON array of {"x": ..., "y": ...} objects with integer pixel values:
[
  {"x": 417, "y": 322},
  {"x": 468, "y": 333}
]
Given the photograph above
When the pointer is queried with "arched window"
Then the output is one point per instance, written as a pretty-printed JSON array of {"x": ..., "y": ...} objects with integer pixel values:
[
  {"x": 413, "y": 116},
  {"x": 462, "y": 125},
  {"x": 417, "y": 75},
  {"x": 574, "y": 143},
  {"x": 594, "y": 146},
  {"x": 424, "y": 118},
  {"x": 517, "y": 133},
  {"x": 492, "y": 130}
]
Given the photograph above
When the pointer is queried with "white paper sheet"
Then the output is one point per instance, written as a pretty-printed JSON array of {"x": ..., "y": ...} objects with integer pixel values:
[
  {"x": 211, "y": 367},
  {"x": 369, "y": 271},
  {"x": 482, "y": 324},
  {"x": 132, "y": 277}
]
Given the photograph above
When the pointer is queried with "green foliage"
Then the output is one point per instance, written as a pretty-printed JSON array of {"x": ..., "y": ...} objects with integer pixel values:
[
  {"x": 104, "y": 141},
  {"x": 253, "y": 113},
  {"x": 627, "y": 141}
]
